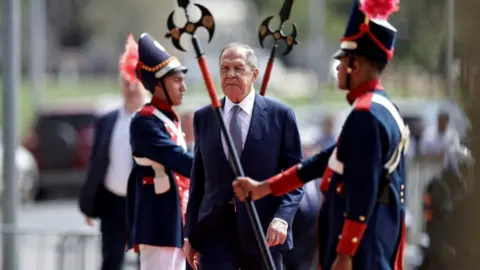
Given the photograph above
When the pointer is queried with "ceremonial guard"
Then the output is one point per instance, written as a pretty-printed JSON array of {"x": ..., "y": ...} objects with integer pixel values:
[
  {"x": 158, "y": 184},
  {"x": 361, "y": 221}
]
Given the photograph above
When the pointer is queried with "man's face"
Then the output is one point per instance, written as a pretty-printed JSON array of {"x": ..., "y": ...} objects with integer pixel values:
[
  {"x": 176, "y": 87},
  {"x": 237, "y": 76},
  {"x": 131, "y": 90},
  {"x": 342, "y": 72}
]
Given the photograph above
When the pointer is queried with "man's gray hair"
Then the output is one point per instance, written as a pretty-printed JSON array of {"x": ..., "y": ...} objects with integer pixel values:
[{"x": 250, "y": 53}]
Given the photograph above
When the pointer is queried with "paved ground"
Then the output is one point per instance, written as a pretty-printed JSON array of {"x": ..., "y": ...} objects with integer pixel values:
[{"x": 53, "y": 236}]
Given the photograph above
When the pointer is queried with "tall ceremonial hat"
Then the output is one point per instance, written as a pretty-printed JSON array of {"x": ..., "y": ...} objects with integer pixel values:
[
  {"x": 368, "y": 33},
  {"x": 154, "y": 62}
]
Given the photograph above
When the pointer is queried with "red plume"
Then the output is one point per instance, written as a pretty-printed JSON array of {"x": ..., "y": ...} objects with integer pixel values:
[
  {"x": 129, "y": 59},
  {"x": 379, "y": 9}
]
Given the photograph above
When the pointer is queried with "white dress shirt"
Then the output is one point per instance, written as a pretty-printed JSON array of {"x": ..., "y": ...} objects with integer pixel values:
[
  {"x": 245, "y": 116},
  {"x": 120, "y": 154}
]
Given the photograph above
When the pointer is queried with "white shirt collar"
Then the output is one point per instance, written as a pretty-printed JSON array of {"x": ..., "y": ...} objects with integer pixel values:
[{"x": 246, "y": 104}]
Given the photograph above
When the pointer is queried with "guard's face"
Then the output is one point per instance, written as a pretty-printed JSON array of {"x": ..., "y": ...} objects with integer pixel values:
[
  {"x": 342, "y": 72},
  {"x": 176, "y": 87},
  {"x": 237, "y": 76}
]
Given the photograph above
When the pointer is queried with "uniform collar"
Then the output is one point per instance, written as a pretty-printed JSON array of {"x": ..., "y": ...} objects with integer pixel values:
[
  {"x": 164, "y": 106},
  {"x": 246, "y": 104},
  {"x": 161, "y": 104},
  {"x": 363, "y": 88}
]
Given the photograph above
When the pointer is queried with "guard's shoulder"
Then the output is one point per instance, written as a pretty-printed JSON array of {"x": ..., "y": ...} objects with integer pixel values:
[
  {"x": 364, "y": 102},
  {"x": 146, "y": 110}
]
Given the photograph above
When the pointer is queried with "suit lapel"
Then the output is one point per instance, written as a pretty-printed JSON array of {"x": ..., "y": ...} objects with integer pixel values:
[
  {"x": 258, "y": 125},
  {"x": 218, "y": 142},
  {"x": 109, "y": 126}
]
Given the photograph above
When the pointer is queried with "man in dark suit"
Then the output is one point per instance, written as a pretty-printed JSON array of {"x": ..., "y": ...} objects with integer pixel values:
[
  {"x": 266, "y": 137},
  {"x": 103, "y": 193}
]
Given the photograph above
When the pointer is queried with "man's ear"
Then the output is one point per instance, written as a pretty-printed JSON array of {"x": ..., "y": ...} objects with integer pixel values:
[
  {"x": 255, "y": 74},
  {"x": 355, "y": 66}
]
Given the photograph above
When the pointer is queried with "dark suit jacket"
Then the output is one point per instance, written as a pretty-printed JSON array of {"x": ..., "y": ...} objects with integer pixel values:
[
  {"x": 90, "y": 199},
  {"x": 272, "y": 145}
]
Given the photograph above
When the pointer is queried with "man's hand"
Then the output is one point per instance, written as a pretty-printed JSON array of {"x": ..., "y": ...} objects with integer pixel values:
[
  {"x": 89, "y": 221},
  {"x": 342, "y": 262},
  {"x": 276, "y": 233},
  {"x": 191, "y": 255},
  {"x": 245, "y": 187}
]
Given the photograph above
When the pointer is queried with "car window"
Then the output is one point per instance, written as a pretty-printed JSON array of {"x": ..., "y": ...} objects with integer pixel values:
[{"x": 77, "y": 121}]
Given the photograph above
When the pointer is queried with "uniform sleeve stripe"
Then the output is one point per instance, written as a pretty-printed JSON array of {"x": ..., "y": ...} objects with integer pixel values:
[
  {"x": 351, "y": 236},
  {"x": 285, "y": 182}
]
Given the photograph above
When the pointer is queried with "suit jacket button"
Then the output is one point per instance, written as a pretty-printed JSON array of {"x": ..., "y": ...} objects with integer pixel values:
[{"x": 402, "y": 200}]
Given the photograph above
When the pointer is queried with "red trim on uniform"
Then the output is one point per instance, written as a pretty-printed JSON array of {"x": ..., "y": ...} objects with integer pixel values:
[
  {"x": 363, "y": 88},
  {"x": 399, "y": 259},
  {"x": 136, "y": 248},
  {"x": 351, "y": 236},
  {"x": 161, "y": 104},
  {"x": 285, "y": 182},
  {"x": 147, "y": 110},
  {"x": 164, "y": 105},
  {"x": 147, "y": 180},
  {"x": 364, "y": 102},
  {"x": 326, "y": 178}
]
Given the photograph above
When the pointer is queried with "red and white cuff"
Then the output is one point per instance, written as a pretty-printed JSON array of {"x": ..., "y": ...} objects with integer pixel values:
[
  {"x": 285, "y": 181},
  {"x": 351, "y": 236}
]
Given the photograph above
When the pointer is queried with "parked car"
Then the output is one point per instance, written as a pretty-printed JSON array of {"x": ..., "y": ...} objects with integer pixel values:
[
  {"x": 27, "y": 172},
  {"x": 61, "y": 138}
]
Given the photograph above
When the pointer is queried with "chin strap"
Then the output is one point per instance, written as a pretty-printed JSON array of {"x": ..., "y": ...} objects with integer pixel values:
[
  {"x": 348, "y": 82},
  {"x": 162, "y": 83}
]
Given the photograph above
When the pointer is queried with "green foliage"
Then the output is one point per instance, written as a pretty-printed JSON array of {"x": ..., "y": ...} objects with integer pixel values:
[{"x": 421, "y": 27}]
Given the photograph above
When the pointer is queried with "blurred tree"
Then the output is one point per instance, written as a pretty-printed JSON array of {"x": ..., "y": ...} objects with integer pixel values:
[
  {"x": 65, "y": 17},
  {"x": 420, "y": 24},
  {"x": 465, "y": 253}
]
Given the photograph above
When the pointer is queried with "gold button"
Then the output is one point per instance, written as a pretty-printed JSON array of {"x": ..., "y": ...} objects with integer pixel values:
[
  {"x": 177, "y": 177},
  {"x": 340, "y": 236},
  {"x": 180, "y": 188},
  {"x": 402, "y": 200},
  {"x": 402, "y": 187},
  {"x": 339, "y": 189},
  {"x": 354, "y": 240},
  {"x": 361, "y": 218},
  {"x": 329, "y": 179},
  {"x": 144, "y": 182},
  {"x": 401, "y": 194}
]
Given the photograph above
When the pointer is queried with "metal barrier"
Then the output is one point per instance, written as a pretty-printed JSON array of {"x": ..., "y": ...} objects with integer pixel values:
[
  {"x": 420, "y": 172},
  {"x": 65, "y": 250}
]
